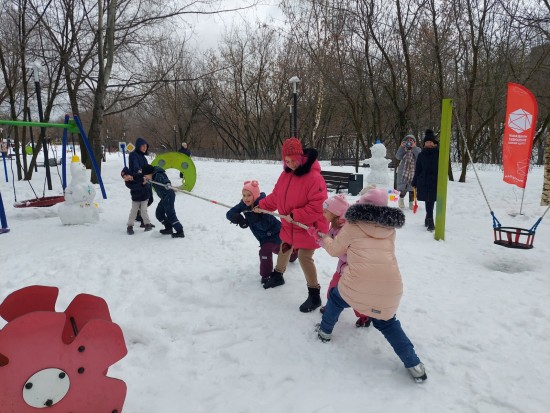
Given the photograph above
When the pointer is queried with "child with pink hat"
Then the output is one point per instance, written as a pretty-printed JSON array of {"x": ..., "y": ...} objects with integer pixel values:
[
  {"x": 334, "y": 210},
  {"x": 264, "y": 227},
  {"x": 371, "y": 282}
]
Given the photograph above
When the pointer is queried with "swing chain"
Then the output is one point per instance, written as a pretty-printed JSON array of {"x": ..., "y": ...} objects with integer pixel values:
[{"x": 461, "y": 133}]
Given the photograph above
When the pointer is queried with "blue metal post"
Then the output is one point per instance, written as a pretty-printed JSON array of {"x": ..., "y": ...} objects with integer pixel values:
[
  {"x": 91, "y": 153},
  {"x": 5, "y": 167},
  {"x": 3, "y": 220}
]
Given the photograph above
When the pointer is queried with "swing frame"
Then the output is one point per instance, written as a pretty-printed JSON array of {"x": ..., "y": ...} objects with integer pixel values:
[{"x": 74, "y": 126}]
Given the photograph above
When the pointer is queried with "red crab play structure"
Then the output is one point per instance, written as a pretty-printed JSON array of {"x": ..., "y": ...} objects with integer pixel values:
[{"x": 55, "y": 360}]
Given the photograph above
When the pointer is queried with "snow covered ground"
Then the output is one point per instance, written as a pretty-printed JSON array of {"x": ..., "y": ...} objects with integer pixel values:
[{"x": 204, "y": 336}]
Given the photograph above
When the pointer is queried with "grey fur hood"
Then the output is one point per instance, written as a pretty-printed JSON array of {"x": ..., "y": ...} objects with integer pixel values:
[{"x": 382, "y": 215}]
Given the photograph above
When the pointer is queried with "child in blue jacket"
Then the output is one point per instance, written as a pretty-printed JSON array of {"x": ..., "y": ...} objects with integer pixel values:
[
  {"x": 264, "y": 227},
  {"x": 165, "y": 212}
]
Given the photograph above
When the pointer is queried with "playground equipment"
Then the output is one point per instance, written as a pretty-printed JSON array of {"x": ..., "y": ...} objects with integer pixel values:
[
  {"x": 521, "y": 114},
  {"x": 70, "y": 125},
  {"x": 181, "y": 162},
  {"x": 3, "y": 221},
  {"x": 59, "y": 360}
]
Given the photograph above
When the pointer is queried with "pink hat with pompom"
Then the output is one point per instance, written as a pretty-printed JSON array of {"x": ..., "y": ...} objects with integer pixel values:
[
  {"x": 375, "y": 196},
  {"x": 253, "y": 187},
  {"x": 337, "y": 204}
]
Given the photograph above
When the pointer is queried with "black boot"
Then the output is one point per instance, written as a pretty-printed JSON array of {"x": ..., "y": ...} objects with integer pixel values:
[
  {"x": 274, "y": 280},
  {"x": 178, "y": 235},
  {"x": 167, "y": 230},
  {"x": 313, "y": 300},
  {"x": 430, "y": 224}
]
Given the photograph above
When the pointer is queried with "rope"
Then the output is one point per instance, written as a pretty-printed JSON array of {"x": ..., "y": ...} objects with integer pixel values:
[
  {"x": 263, "y": 211},
  {"x": 496, "y": 223},
  {"x": 54, "y": 150},
  {"x": 189, "y": 193}
]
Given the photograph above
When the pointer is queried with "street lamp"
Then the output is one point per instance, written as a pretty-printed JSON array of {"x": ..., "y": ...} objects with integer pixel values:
[
  {"x": 41, "y": 118},
  {"x": 175, "y": 139},
  {"x": 294, "y": 81},
  {"x": 290, "y": 108}
]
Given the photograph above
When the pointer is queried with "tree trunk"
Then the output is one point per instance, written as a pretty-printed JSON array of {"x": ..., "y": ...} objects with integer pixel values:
[{"x": 106, "y": 50}]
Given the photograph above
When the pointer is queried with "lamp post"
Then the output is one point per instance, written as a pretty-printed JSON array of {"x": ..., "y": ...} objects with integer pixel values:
[
  {"x": 290, "y": 109},
  {"x": 294, "y": 81},
  {"x": 41, "y": 118},
  {"x": 175, "y": 139}
]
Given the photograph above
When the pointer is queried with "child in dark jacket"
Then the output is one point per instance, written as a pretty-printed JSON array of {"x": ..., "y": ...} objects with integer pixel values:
[
  {"x": 165, "y": 211},
  {"x": 139, "y": 191},
  {"x": 264, "y": 227}
]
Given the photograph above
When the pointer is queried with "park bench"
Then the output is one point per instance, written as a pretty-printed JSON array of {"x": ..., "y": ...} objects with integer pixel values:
[{"x": 340, "y": 181}]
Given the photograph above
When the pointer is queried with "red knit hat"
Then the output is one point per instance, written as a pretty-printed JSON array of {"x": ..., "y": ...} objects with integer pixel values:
[
  {"x": 292, "y": 147},
  {"x": 253, "y": 187}
]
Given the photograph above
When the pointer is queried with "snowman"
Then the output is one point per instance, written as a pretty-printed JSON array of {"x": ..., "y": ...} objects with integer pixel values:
[
  {"x": 79, "y": 207},
  {"x": 378, "y": 166}
]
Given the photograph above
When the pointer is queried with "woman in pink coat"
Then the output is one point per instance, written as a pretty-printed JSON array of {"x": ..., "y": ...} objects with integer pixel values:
[
  {"x": 371, "y": 282},
  {"x": 298, "y": 196}
]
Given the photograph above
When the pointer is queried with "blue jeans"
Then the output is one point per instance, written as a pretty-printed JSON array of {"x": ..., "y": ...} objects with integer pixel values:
[{"x": 391, "y": 329}]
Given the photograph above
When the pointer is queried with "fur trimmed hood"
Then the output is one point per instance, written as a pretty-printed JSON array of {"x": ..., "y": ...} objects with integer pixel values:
[
  {"x": 311, "y": 156},
  {"x": 386, "y": 216}
]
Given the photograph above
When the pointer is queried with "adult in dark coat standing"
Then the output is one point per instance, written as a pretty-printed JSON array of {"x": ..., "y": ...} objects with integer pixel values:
[
  {"x": 425, "y": 176},
  {"x": 185, "y": 149}
]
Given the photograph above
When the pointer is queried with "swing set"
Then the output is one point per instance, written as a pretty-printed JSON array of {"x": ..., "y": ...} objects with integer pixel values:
[
  {"x": 509, "y": 237},
  {"x": 70, "y": 125}
]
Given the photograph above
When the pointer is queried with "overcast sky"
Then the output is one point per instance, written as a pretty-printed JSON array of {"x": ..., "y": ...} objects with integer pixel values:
[{"x": 208, "y": 29}]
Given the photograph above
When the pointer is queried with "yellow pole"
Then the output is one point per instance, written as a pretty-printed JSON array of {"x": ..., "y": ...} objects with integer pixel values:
[{"x": 443, "y": 167}]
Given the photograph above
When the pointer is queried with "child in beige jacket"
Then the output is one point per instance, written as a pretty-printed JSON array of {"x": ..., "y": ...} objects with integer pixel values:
[{"x": 371, "y": 282}]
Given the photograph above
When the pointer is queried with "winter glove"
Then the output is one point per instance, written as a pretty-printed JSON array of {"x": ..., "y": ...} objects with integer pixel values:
[
  {"x": 239, "y": 220},
  {"x": 314, "y": 232},
  {"x": 285, "y": 247}
]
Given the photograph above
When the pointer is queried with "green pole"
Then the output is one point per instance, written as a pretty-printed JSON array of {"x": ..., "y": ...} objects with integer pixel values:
[
  {"x": 70, "y": 126},
  {"x": 443, "y": 167}
]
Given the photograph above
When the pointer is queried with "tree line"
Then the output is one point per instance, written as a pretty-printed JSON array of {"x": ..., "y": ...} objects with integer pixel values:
[{"x": 369, "y": 69}]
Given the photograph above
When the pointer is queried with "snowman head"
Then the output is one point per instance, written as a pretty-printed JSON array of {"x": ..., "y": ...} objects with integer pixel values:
[
  {"x": 378, "y": 150},
  {"x": 78, "y": 171}
]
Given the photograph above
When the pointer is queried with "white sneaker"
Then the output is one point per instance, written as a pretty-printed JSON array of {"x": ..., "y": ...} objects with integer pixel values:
[
  {"x": 401, "y": 203},
  {"x": 418, "y": 372},
  {"x": 321, "y": 335}
]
